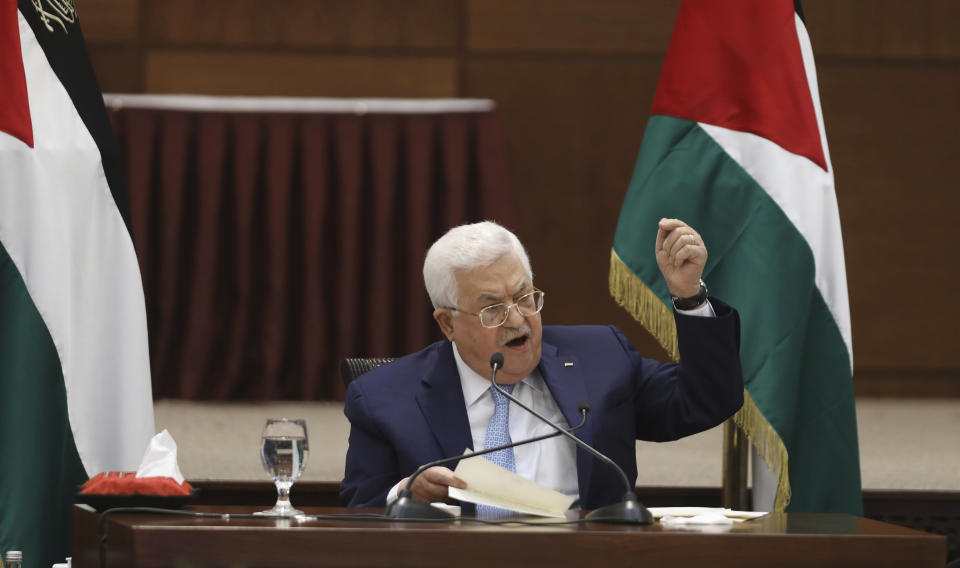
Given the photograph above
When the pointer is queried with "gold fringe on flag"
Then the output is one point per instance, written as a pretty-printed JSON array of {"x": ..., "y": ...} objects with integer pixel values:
[
  {"x": 769, "y": 445},
  {"x": 635, "y": 297},
  {"x": 640, "y": 302}
]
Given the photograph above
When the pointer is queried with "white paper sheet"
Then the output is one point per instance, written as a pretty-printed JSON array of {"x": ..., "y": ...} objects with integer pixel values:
[
  {"x": 490, "y": 484},
  {"x": 659, "y": 512}
]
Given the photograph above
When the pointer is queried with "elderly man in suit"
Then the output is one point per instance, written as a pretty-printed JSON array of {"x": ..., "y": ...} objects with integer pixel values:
[{"x": 437, "y": 402}]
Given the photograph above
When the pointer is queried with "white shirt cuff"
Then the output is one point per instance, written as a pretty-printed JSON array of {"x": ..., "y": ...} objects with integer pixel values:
[
  {"x": 704, "y": 311},
  {"x": 393, "y": 493}
]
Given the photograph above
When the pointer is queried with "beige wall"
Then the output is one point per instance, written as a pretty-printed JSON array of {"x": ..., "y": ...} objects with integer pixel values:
[{"x": 574, "y": 80}]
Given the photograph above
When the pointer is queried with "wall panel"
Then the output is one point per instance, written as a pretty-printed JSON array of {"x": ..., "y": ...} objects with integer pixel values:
[
  {"x": 920, "y": 29},
  {"x": 239, "y": 73},
  {"x": 118, "y": 70},
  {"x": 303, "y": 23},
  {"x": 570, "y": 25},
  {"x": 110, "y": 21},
  {"x": 894, "y": 139}
]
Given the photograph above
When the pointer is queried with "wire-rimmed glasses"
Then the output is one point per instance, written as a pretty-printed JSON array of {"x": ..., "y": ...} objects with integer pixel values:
[{"x": 496, "y": 315}]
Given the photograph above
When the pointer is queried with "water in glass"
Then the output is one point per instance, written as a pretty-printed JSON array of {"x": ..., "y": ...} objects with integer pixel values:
[{"x": 283, "y": 450}]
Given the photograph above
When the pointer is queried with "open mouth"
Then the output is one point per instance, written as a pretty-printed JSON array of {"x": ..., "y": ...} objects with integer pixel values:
[{"x": 517, "y": 342}]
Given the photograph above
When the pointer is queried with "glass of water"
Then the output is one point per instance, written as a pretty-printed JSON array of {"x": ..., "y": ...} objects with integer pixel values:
[{"x": 283, "y": 451}]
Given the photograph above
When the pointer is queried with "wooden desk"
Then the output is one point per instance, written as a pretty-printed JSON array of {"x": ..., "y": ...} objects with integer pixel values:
[{"x": 781, "y": 540}]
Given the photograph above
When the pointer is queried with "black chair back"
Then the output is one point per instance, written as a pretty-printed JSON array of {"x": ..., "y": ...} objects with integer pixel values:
[{"x": 351, "y": 368}]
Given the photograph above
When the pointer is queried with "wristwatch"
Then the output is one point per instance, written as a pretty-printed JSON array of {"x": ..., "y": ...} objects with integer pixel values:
[{"x": 693, "y": 301}]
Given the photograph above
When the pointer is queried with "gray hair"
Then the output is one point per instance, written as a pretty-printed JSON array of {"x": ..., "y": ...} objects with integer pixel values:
[{"x": 465, "y": 248}]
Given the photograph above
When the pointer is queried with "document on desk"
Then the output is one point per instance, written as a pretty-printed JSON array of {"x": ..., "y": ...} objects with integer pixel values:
[
  {"x": 701, "y": 515},
  {"x": 490, "y": 484}
]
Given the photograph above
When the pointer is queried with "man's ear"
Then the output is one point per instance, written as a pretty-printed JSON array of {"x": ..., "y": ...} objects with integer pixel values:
[{"x": 445, "y": 321}]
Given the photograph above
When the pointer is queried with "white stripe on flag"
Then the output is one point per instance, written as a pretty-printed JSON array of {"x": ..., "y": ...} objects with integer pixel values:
[{"x": 61, "y": 227}]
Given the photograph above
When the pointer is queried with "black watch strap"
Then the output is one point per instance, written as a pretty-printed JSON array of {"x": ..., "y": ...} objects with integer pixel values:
[{"x": 693, "y": 301}]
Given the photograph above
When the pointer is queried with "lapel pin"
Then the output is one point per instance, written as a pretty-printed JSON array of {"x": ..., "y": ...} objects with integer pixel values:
[{"x": 568, "y": 364}]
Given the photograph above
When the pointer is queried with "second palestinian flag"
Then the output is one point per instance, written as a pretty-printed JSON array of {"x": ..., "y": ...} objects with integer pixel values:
[{"x": 736, "y": 148}]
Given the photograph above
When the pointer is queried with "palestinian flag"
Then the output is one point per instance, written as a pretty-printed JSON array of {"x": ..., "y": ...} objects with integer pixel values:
[
  {"x": 74, "y": 373},
  {"x": 735, "y": 146}
]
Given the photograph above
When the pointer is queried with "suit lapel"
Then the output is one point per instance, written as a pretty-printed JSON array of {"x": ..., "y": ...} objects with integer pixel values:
[
  {"x": 563, "y": 378},
  {"x": 440, "y": 398}
]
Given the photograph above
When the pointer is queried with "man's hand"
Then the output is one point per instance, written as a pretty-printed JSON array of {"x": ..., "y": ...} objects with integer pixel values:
[
  {"x": 681, "y": 256},
  {"x": 432, "y": 484}
]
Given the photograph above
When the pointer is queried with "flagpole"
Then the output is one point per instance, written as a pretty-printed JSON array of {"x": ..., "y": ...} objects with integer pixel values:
[{"x": 735, "y": 450}]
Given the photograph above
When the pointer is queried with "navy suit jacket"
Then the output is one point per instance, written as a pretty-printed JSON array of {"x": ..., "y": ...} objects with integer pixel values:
[{"x": 411, "y": 411}]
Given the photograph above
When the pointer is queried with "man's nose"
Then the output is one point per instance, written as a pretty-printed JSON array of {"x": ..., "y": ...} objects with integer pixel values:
[{"x": 514, "y": 318}]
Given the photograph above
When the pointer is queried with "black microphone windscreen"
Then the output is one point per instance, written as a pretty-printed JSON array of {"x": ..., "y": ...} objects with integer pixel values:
[
  {"x": 496, "y": 360},
  {"x": 583, "y": 405}
]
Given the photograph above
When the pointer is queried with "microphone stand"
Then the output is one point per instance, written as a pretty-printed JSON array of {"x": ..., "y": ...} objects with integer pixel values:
[
  {"x": 628, "y": 510},
  {"x": 406, "y": 507}
]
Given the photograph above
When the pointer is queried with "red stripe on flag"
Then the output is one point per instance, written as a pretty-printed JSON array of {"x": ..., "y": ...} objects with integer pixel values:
[
  {"x": 737, "y": 64},
  {"x": 14, "y": 105}
]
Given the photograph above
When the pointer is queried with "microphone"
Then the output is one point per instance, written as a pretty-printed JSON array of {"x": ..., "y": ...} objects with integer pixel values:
[
  {"x": 627, "y": 511},
  {"x": 406, "y": 507}
]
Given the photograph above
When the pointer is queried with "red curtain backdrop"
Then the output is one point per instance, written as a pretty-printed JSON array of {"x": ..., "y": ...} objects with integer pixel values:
[{"x": 272, "y": 245}]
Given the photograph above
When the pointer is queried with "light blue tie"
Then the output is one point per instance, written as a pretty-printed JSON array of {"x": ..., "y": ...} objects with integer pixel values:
[{"x": 498, "y": 434}]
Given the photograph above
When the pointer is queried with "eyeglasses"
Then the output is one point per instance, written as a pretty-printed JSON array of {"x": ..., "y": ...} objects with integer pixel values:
[{"x": 496, "y": 315}]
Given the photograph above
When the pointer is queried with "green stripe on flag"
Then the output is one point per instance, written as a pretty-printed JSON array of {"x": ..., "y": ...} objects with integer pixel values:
[
  {"x": 796, "y": 365},
  {"x": 39, "y": 468}
]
